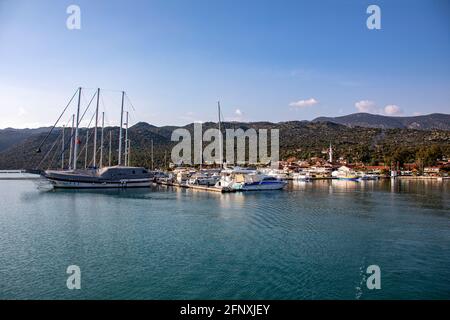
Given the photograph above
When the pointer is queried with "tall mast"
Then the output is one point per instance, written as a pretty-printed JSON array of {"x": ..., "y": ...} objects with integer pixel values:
[
  {"x": 201, "y": 155},
  {"x": 75, "y": 149},
  {"x": 220, "y": 137},
  {"x": 101, "y": 140},
  {"x": 94, "y": 161},
  {"x": 165, "y": 159},
  {"x": 110, "y": 141},
  {"x": 128, "y": 152},
  {"x": 126, "y": 138},
  {"x": 120, "y": 130},
  {"x": 86, "y": 148},
  {"x": 71, "y": 142},
  {"x": 62, "y": 148},
  {"x": 152, "y": 155}
]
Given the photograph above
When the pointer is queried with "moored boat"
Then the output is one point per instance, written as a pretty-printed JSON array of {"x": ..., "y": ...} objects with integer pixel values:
[
  {"x": 302, "y": 176},
  {"x": 345, "y": 173},
  {"x": 203, "y": 179},
  {"x": 259, "y": 182},
  {"x": 367, "y": 176},
  {"x": 97, "y": 175},
  {"x": 108, "y": 177}
]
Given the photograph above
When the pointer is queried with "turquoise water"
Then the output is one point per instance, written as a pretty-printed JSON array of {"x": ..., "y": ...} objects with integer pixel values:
[{"x": 311, "y": 241}]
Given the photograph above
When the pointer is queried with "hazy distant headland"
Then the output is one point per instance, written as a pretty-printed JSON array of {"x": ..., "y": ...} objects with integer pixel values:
[{"x": 423, "y": 122}]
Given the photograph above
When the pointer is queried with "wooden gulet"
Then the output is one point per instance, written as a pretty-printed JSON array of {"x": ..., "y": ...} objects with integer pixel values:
[{"x": 96, "y": 175}]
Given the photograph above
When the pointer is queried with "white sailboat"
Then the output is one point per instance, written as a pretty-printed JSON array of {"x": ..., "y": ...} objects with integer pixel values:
[
  {"x": 260, "y": 182},
  {"x": 244, "y": 179}
]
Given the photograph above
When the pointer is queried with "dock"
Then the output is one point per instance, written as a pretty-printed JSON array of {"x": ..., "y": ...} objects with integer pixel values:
[
  {"x": 437, "y": 178},
  {"x": 196, "y": 187},
  {"x": 17, "y": 175},
  {"x": 19, "y": 178}
]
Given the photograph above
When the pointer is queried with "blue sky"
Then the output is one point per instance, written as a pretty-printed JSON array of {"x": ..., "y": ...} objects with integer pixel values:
[{"x": 265, "y": 60}]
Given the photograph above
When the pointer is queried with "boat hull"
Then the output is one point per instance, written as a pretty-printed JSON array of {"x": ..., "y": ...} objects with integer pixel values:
[
  {"x": 108, "y": 177},
  {"x": 303, "y": 178},
  {"x": 366, "y": 178},
  {"x": 100, "y": 185},
  {"x": 348, "y": 178},
  {"x": 263, "y": 186}
]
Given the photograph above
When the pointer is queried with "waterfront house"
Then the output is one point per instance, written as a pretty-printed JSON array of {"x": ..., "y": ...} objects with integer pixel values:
[{"x": 431, "y": 171}]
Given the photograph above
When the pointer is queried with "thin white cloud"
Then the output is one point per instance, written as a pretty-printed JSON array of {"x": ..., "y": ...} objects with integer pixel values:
[
  {"x": 237, "y": 116},
  {"x": 392, "y": 110},
  {"x": 370, "y": 107},
  {"x": 365, "y": 106},
  {"x": 22, "y": 112},
  {"x": 303, "y": 103}
]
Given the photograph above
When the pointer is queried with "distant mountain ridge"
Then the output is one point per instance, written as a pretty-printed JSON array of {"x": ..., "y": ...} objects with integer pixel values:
[
  {"x": 299, "y": 139},
  {"x": 10, "y": 136},
  {"x": 432, "y": 121}
]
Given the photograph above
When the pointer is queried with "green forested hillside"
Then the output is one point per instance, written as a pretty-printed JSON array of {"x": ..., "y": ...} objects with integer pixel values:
[{"x": 299, "y": 139}]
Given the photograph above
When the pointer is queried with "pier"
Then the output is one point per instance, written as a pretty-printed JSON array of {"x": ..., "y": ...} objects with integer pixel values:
[
  {"x": 196, "y": 187},
  {"x": 17, "y": 175},
  {"x": 438, "y": 178}
]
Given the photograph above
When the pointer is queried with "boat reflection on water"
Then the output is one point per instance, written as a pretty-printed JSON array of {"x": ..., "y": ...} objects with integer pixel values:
[
  {"x": 345, "y": 185},
  {"x": 125, "y": 193},
  {"x": 336, "y": 185}
]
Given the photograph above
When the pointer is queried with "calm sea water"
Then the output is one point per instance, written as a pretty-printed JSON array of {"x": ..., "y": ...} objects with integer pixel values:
[{"x": 312, "y": 241}]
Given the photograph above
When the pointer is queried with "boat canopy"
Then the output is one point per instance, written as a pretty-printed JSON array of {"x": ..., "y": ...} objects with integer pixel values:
[{"x": 118, "y": 171}]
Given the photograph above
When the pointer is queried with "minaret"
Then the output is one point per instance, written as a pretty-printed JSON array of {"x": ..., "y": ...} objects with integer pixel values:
[{"x": 330, "y": 154}]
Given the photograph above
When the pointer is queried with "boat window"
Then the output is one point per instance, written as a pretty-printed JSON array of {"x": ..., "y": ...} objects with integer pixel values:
[
  {"x": 144, "y": 171},
  {"x": 133, "y": 172}
]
